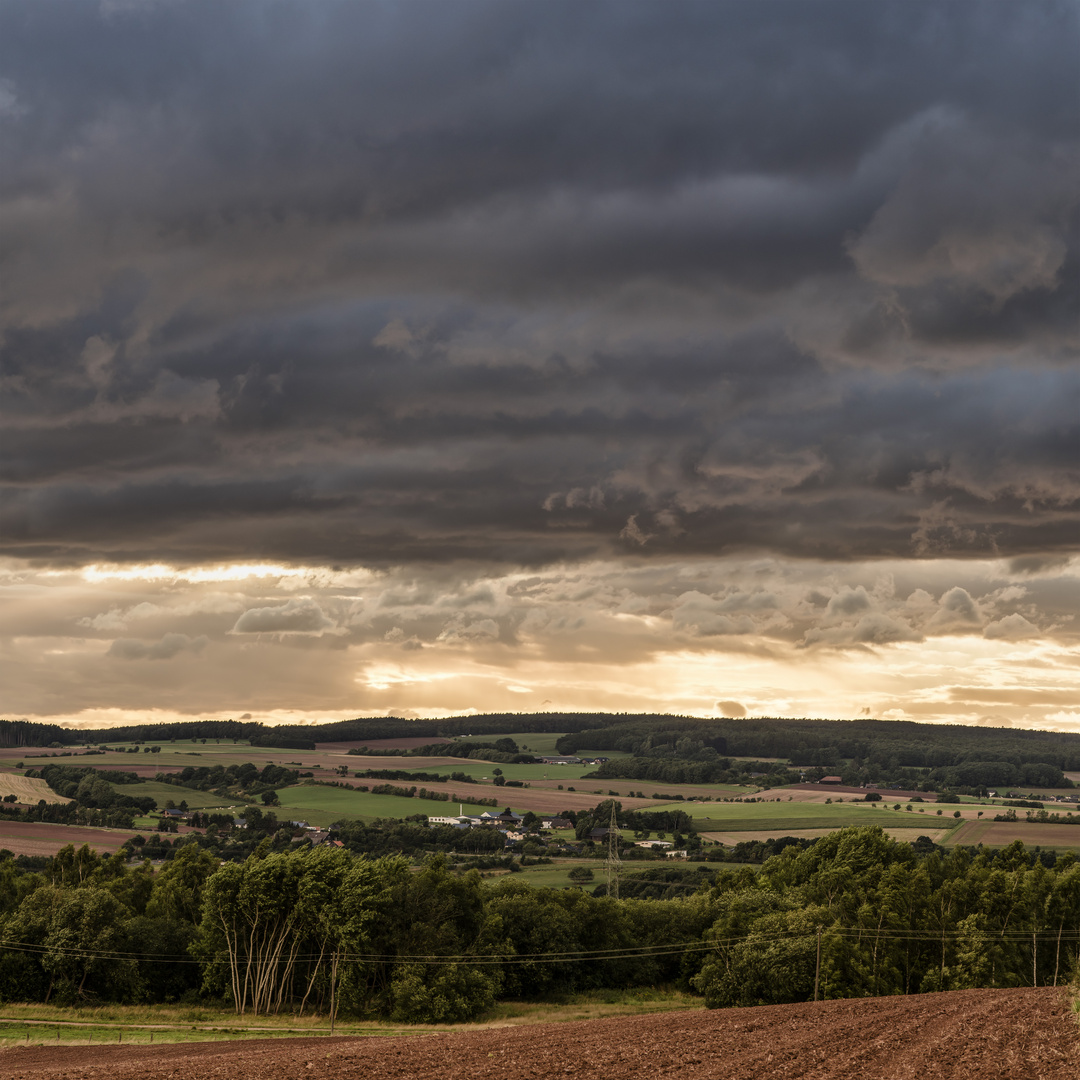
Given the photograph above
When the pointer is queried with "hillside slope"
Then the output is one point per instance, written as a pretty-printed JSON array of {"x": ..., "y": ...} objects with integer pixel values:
[{"x": 1023, "y": 1034}]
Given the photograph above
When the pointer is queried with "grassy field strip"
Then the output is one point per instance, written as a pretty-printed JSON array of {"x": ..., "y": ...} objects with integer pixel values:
[
  {"x": 135, "y": 1024},
  {"x": 556, "y": 876},
  {"x": 552, "y": 877},
  {"x": 85, "y": 1033},
  {"x": 938, "y": 835},
  {"x": 478, "y": 770},
  {"x": 167, "y": 1023}
]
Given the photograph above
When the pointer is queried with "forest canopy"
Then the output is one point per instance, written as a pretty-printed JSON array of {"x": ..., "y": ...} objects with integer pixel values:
[{"x": 306, "y": 928}]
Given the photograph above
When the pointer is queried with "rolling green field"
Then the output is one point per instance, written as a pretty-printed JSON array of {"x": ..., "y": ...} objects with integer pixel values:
[
  {"x": 481, "y": 770},
  {"x": 196, "y": 800},
  {"x": 753, "y": 817},
  {"x": 324, "y": 805},
  {"x": 556, "y": 876}
]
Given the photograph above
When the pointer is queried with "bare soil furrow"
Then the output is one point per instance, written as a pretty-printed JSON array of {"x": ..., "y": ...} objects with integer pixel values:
[{"x": 1024, "y": 1034}]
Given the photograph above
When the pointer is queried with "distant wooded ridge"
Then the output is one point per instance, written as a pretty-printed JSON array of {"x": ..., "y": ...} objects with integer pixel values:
[{"x": 803, "y": 742}]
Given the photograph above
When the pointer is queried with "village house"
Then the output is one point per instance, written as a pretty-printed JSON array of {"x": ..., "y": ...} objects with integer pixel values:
[
  {"x": 556, "y": 823},
  {"x": 459, "y": 821}
]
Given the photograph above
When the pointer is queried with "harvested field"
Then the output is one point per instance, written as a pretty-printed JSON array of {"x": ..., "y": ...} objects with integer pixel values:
[
  {"x": 44, "y": 838},
  {"x": 732, "y": 838},
  {"x": 1031, "y": 833},
  {"x": 786, "y": 818},
  {"x": 27, "y": 790},
  {"x": 989, "y": 1034},
  {"x": 821, "y": 792}
]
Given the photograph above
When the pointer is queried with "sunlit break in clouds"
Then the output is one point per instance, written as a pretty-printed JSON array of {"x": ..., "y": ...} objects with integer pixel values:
[{"x": 362, "y": 358}]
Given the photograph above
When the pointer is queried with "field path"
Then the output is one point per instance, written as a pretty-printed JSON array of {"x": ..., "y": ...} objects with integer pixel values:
[{"x": 967, "y": 1034}]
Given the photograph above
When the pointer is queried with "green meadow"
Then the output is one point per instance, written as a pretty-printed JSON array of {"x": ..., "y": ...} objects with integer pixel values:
[
  {"x": 557, "y": 875},
  {"x": 480, "y": 770},
  {"x": 196, "y": 800},
  {"x": 323, "y": 806}
]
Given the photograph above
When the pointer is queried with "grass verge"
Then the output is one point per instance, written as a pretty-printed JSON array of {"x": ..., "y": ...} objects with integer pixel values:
[{"x": 48, "y": 1025}]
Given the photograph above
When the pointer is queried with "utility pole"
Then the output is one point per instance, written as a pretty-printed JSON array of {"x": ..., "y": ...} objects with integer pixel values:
[
  {"x": 612, "y": 866},
  {"x": 817, "y": 969}
]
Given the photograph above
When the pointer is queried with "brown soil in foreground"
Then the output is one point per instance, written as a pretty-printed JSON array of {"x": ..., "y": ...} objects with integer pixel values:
[{"x": 964, "y": 1035}]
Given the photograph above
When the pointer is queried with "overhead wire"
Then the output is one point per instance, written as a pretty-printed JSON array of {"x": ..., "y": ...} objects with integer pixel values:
[{"x": 646, "y": 952}]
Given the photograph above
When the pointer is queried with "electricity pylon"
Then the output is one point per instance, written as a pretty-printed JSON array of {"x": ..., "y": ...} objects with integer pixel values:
[{"x": 612, "y": 866}]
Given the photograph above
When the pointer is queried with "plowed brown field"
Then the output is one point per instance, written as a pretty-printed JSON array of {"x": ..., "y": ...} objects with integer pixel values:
[
  {"x": 964, "y": 1035},
  {"x": 46, "y": 838}
]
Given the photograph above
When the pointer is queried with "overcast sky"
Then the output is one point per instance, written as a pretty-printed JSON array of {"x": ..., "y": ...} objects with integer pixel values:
[{"x": 418, "y": 357}]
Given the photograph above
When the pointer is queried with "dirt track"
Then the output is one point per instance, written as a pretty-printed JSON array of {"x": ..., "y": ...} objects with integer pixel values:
[{"x": 965, "y": 1035}]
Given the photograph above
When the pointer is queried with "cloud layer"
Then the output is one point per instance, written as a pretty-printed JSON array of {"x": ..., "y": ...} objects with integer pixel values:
[
  {"x": 485, "y": 290},
  {"x": 940, "y": 640}
]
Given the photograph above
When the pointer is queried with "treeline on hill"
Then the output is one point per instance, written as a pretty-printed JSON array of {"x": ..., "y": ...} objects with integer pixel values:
[
  {"x": 246, "y": 780},
  {"x": 92, "y": 787},
  {"x": 503, "y": 751},
  {"x": 298, "y": 929},
  {"x": 422, "y": 777},
  {"x": 861, "y": 751},
  {"x": 692, "y": 771},
  {"x": 25, "y": 733}
]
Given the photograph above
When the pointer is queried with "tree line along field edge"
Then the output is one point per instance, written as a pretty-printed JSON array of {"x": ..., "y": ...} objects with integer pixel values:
[
  {"x": 760, "y": 738},
  {"x": 380, "y": 937}
]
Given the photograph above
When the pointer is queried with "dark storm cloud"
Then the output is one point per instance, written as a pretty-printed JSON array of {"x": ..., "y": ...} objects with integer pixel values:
[
  {"x": 169, "y": 646},
  {"x": 508, "y": 281}
]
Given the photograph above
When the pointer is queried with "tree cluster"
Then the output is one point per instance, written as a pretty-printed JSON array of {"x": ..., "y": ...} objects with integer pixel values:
[
  {"x": 880, "y": 749},
  {"x": 93, "y": 787},
  {"x": 307, "y": 928}
]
